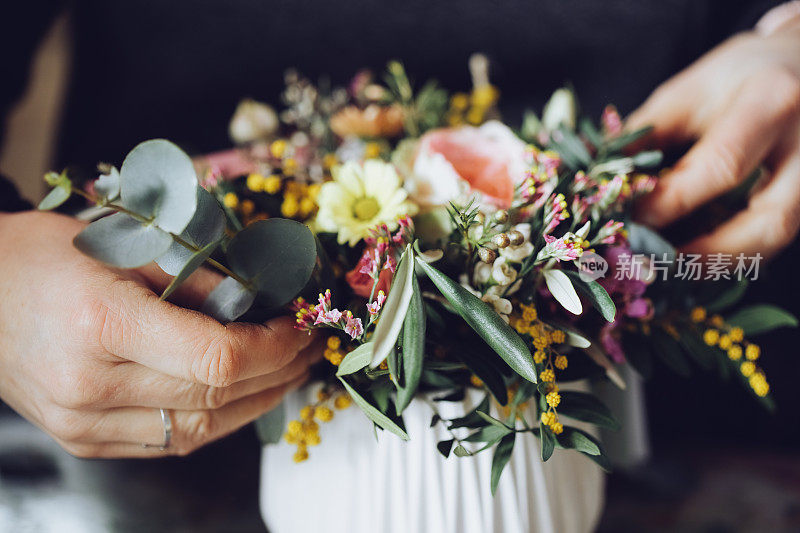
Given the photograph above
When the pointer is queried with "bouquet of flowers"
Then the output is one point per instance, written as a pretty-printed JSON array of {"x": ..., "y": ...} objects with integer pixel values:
[{"x": 439, "y": 251}]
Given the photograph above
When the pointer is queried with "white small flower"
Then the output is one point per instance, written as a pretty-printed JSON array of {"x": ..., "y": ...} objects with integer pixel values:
[
  {"x": 252, "y": 121},
  {"x": 560, "y": 110},
  {"x": 525, "y": 229},
  {"x": 475, "y": 232},
  {"x": 584, "y": 230},
  {"x": 517, "y": 254},
  {"x": 503, "y": 273},
  {"x": 483, "y": 272},
  {"x": 463, "y": 280},
  {"x": 501, "y": 305}
]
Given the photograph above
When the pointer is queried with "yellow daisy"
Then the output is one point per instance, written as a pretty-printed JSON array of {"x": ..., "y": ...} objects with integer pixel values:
[{"x": 360, "y": 197}]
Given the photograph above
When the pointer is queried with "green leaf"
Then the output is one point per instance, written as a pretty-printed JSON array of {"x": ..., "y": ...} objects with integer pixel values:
[
  {"x": 228, "y": 301},
  {"x": 413, "y": 347},
  {"x": 618, "y": 143},
  {"x": 270, "y": 426},
  {"x": 486, "y": 323},
  {"x": 444, "y": 447},
  {"x": 485, "y": 366},
  {"x": 573, "y": 438},
  {"x": 355, "y": 360},
  {"x": 648, "y": 159},
  {"x": 761, "y": 318},
  {"x": 460, "y": 451},
  {"x": 548, "y": 442},
  {"x": 121, "y": 241},
  {"x": 571, "y": 148},
  {"x": 373, "y": 413},
  {"x": 669, "y": 351},
  {"x": 502, "y": 454},
  {"x": 277, "y": 255},
  {"x": 393, "y": 362},
  {"x": 729, "y": 297},
  {"x": 394, "y": 309},
  {"x": 158, "y": 181},
  {"x": 562, "y": 290},
  {"x": 531, "y": 126},
  {"x": 492, "y": 420},
  {"x": 471, "y": 419},
  {"x": 590, "y": 132},
  {"x": 207, "y": 226},
  {"x": 586, "y": 408},
  {"x": 194, "y": 262},
  {"x": 490, "y": 434},
  {"x": 596, "y": 294},
  {"x": 55, "y": 198}
]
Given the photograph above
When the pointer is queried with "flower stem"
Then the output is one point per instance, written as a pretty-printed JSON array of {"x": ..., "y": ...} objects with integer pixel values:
[{"x": 144, "y": 220}]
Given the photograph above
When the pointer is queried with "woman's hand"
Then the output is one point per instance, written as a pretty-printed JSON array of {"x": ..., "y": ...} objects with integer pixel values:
[
  {"x": 89, "y": 353},
  {"x": 741, "y": 103}
]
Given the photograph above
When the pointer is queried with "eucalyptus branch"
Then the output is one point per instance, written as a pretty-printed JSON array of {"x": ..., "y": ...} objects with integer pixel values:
[{"x": 144, "y": 220}]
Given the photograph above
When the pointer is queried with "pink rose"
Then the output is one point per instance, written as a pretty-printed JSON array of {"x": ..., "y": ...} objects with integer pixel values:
[{"x": 453, "y": 162}]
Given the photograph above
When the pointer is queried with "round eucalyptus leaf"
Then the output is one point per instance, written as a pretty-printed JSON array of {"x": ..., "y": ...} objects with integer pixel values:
[
  {"x": 55, "y": 198},
  {"x": 228, "y": 301},
  {"x": 107, "y": 185},
  {"x": 277, "y": 256},
  {"x": 157, "y": 180},
  {"x": 194, "y": 262},
  {"x": 122, "y": 241},
  {"x": 207, "y": 226}
]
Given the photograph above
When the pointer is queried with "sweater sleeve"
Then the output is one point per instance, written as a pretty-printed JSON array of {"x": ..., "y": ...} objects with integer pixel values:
[{"x": 21, "y": 30}]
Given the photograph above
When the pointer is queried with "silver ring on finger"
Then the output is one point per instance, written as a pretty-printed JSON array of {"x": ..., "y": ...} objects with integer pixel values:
[{"x": 166, "y": 422}]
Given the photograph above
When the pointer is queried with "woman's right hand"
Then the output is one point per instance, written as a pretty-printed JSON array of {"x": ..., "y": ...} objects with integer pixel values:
[{"x": 89, "y": 353}]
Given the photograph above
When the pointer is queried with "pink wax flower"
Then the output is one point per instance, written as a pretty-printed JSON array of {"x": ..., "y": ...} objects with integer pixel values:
[
  {"x": 612, "y": 123},
  {"x": 489, "y": 160},
  {"x": 360, "y": 278},
  {"x": 353, "y": 326},
  {"x": 375, "y": 307}
]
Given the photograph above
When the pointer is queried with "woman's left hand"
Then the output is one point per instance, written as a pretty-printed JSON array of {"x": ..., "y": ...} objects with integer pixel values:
[{"x": 741, "y": 104}]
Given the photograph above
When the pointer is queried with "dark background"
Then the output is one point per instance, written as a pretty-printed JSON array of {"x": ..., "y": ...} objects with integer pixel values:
[{"x": 176, "y": 69}]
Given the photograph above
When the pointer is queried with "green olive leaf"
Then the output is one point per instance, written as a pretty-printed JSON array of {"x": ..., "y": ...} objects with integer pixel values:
[
  {"x": 486, "y": 323},
  {"x": 394, "y": 309},
  {"x": 413, "y": 347}
]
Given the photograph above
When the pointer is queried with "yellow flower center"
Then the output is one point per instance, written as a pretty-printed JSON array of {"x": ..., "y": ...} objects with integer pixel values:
[{"x": 366, "y": 208}]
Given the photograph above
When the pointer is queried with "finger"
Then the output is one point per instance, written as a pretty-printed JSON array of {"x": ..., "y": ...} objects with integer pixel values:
[
  {"x": 135, "y": 325},
  {"x": 191, "y": 293},
  {"x": 147, "y": 388},
  {"x": 732, "y": 147},
  {"x": 122, "y": 432},
  {"x": 769, "y": 223},
  {"x": 668, "y": 110}
]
